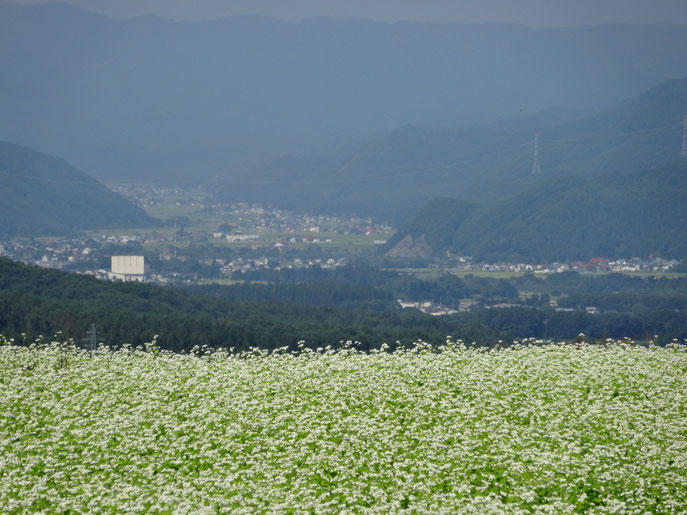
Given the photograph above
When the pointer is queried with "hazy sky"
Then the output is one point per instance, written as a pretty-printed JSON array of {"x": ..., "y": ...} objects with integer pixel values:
[{"x": 538, "y": 13}]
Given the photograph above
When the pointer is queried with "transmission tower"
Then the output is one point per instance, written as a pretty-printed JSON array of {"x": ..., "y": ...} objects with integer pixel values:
[
  {"x": 684, "y": 136},
  {"x": 536, "y": 168}
]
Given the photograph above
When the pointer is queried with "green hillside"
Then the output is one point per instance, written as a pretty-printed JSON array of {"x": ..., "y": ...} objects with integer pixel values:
[
  {"x": 45, "y": 195},
  {"x": 484, "y": 163},
  {"x": 614, "y": 215}
]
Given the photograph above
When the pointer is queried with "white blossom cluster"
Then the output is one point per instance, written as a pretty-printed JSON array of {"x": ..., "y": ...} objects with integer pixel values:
[{"x": 543, "y": 428}]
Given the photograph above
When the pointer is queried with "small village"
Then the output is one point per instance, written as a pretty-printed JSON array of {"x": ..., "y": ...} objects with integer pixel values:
[
  {"x": 185, "y": 262},
  {"x": 594, "y": 265},
  {"x": 199, "y": 240},
  {"x": 91, "y": 255}
]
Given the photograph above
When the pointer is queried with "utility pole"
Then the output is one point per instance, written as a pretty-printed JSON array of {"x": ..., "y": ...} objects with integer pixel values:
[
  {"x": 536, "y": 168},
  {"x": 684, "y": 136}
]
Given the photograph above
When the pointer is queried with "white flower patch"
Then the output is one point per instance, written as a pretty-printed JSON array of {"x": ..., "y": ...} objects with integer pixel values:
[{"x": 541, "y": 427}]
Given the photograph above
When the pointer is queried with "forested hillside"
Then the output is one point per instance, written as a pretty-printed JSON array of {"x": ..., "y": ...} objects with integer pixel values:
[
  {"x": 322, "y": 310},
  {"x": 572, "y": 218},
  {"x": 45, "y": 195},
  {"x": 40, "y": 302},
  {"x": 484, "y": 163}
]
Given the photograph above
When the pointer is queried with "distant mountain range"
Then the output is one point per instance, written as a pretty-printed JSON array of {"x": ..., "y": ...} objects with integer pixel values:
[
  {"x": 149, "y": 99},
  {"x": 392, "y": 175},
  {"x": 45, "y": 196},
  {"x": 563, "y": 219}
]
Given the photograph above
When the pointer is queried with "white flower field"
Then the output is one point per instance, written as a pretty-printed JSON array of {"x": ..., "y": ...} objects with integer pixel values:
[{"x": 531, "y": 429}]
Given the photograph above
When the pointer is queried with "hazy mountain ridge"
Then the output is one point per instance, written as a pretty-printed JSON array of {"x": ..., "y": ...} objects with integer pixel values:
[
  {"x": 392, "y": 175},
  {"x": 615, "y": 216},
  {"x": 152, "y": 99},
  {"x": 45, "y": 195}
]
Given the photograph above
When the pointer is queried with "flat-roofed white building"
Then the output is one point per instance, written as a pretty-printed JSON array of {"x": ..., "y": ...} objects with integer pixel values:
[{"x": 129, "y": 268}]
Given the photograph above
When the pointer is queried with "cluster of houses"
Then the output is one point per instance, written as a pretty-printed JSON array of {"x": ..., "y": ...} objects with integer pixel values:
[
  {"x": 49, "y": 252},
  {"x": 287, "y": 222},
  {"x": 597, "y": 264},
  {"x": 436, "y": 309},
  {"x": 228, "y": 267}
]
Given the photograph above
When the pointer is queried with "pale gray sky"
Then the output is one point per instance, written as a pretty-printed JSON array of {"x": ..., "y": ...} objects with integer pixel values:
[{"x": 537, "y": 13}]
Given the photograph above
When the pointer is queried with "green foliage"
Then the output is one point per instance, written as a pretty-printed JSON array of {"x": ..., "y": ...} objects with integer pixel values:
[
  {"x": 436, "y": 221},
  {"x": 44, "y": 195},
  {"x": 536, "y": 428},
  {"x": 35, "y": 301},
  {"x": 629, "y": 306},
  {"x": 329, "y": 293},
  {"x": 356, "y": 282},
  {"x": 323, "y": 311},
  {"x": 613, "y": 216}
]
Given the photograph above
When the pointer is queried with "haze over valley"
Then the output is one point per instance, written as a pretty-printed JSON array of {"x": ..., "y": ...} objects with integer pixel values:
[{"x": 150, "y": 99}]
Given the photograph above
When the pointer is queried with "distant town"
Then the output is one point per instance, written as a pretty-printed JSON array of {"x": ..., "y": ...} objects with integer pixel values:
[
  {"x": 597, "y": 264},
  {"x": 91, "y": 255},
  {"x": 202, "y": 240}
]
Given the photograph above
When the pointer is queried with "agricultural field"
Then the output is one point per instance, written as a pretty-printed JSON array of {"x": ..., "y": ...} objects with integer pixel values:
[{"x": 537, "y": 427}]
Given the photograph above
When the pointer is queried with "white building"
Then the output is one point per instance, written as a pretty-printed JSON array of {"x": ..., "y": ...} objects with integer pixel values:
[{"x": 129, "y": 268}]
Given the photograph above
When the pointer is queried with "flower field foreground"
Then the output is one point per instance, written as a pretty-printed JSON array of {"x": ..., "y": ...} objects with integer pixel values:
[{"x": 535, "y": 428}]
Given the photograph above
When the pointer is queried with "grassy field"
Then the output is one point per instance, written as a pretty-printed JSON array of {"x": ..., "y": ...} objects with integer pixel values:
[
  {"x": 436, "y": 271},
  {"x": 433, "y": 272},
  {"x": 536, "y": 428},
  {"x": 493, "y": 275}
]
